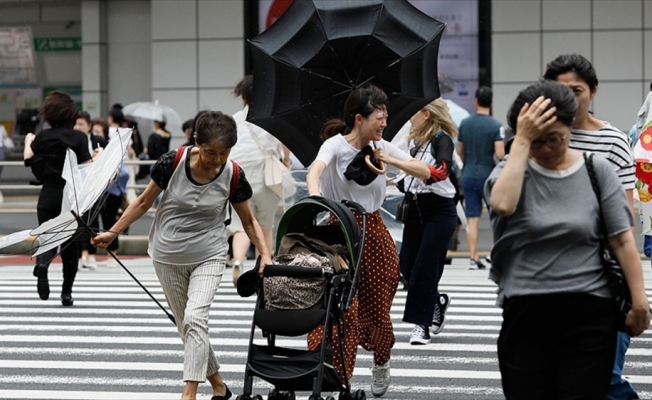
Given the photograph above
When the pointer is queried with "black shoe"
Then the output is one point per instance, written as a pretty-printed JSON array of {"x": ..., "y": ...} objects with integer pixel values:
[
  {"x": 476, "y": 264},
  {"x": 66, "y": 300},
  {"x": 439, "y": 318},
  {"x": 226, "y": 395},
  {"x": 449, "y": 260},
  {"x": 42, "y": 283}
]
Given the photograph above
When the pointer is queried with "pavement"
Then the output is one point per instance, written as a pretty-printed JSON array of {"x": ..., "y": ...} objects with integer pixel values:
[{"x": 115, "y": 343}]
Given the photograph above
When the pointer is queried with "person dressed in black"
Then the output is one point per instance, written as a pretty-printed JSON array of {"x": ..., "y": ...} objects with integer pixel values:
[{"x": 45, "y": 154}]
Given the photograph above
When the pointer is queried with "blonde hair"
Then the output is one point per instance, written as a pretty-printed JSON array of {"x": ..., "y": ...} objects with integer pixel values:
[{"x": 439, "y": 119}]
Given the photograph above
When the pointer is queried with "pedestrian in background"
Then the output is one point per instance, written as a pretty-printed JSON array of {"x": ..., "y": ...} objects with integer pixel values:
[
  {"x": 605, "y": 140},
  {"x": 430, "y": 222},
  {"x": 480, "y": 142},
  {"x": 558, "y": 336},
  {"x": 254, "y": 147},
  {"x": 45, "y": 154},
  {"x": 187, "y": 241},
  {"x": 87, "y": 259}
]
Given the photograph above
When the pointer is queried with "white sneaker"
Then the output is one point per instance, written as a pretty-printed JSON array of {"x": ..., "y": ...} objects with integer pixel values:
[
  {"x": 92, "y": 262},
  {"x": 111, "y": 262},
  {"x": 237, "y": 270},
  {"x": 420, "y": 335},
  {"x": 380, "y": 379},
  {"x": 85, "y": 265}
]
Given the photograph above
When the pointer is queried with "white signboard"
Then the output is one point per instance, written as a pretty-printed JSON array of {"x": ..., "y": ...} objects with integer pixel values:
[{"x": 16, "y": 57}]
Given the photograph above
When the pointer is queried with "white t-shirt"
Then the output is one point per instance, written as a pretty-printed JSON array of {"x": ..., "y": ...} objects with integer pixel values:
[
  {"x": 247, "y": 151},
  {"x": 337, "y": 154}
]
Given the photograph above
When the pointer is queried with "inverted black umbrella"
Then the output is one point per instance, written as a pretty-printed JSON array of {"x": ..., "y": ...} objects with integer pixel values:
[{"x": 306, "y": 64}]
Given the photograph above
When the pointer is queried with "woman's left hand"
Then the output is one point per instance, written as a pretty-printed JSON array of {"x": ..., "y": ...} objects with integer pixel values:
[
  {"x": 264, "y": 261},
  {"x": 381, "y": 155},
  {"x": 637, "y": 321}
]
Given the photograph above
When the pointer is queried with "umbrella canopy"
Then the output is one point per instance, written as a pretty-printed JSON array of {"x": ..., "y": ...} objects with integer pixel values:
[
  {"x": 153, "y": 111},
  {"x": 307, "y": 63}
]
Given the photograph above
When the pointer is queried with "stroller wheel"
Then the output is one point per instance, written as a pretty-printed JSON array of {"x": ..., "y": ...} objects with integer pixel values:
[
  {"x": 278, "y": 395},
  {"x": 330, "y": 398},
  {"x": 359, "y": 395},
  {"x": 257, "y": 397}
]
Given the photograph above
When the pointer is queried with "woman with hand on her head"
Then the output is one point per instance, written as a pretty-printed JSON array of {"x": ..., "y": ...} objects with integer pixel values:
[
  {"x": 589, "y": 133},
  {"x": 187, "y": 241},
  {"x": 430, "y": 222},
  {"x": 558, "y": 336},
  {"x": 365, "y": 118}
]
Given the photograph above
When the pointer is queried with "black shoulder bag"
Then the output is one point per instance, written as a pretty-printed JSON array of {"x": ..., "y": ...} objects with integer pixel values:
[
  {"x": 402, "y": 209},
  {"x": 617, "y": 282}
]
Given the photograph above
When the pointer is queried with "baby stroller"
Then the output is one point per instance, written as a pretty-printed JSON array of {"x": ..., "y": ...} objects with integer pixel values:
[{"x": 290, "y": 369}]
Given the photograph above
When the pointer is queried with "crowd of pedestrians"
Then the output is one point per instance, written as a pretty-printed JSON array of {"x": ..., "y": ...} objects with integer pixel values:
[{"x": 533, "y": 178}]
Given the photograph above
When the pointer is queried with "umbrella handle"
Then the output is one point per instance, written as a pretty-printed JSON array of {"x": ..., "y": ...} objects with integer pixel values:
[{"x": 379, "y": 171}]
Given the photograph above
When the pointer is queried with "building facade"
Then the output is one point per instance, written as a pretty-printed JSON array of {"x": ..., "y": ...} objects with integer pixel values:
[{"x": 189, "y": 54}]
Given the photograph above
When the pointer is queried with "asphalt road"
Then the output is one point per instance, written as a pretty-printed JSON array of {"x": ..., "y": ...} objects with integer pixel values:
[{"x": 115, "y": 343}]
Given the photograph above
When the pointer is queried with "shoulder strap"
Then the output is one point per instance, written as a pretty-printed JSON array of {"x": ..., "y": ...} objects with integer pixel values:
[
  {"x": 588, "y": 160},
  {"x": 177, "y": 157},
  {"x": 235, "y": 179}
]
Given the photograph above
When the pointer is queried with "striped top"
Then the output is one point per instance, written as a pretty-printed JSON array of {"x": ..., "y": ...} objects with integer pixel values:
[{"x": 614, "y": 145}]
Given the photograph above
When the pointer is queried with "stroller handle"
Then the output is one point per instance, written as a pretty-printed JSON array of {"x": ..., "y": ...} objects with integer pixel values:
[
  {"x": 355, "y": 206},
  {"x": 294, "y": 271}
]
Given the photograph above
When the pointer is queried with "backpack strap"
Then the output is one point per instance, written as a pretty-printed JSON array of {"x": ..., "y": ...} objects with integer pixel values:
[
  {"x": 177, "y": 157},
  {"x": 235, "y": 180}
]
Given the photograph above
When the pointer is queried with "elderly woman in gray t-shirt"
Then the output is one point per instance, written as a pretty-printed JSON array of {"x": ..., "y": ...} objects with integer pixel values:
[
  {"x": 187, "y": 241},
  {"x": 559, "y": 326}
]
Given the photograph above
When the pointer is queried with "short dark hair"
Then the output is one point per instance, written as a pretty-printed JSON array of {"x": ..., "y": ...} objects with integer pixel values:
[
  {"x": 215, "y": 126},
  {"x": 576, "y": 63},
  {"x": 485, "y": 96},
  {"x": 561, "y": 97},
  {"x": 244, "y": 88},
  {"x": 117, "y": 106},
  {"x": 59, "y": 110},
  {"x": 364, "y": 101},
  {"x": 84, "y": 115},
  {"x": 117, "y": 116},
  {"x": 189, "y": 124}
]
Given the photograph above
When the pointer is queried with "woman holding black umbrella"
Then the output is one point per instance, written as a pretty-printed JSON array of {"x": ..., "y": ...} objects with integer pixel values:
[{"x": 333, "y": 171}]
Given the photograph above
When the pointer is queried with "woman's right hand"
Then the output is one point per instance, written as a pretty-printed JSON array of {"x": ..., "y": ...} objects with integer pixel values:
[
  {"x": 103, "y": 240},
  {"x": 29, "y": 138},
  {"x": 533, "y": 119},
  {"x": 637, "y": 320}
]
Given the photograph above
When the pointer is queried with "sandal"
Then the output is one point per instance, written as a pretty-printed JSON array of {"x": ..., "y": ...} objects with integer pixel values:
[{"x": 225, "y": 396}]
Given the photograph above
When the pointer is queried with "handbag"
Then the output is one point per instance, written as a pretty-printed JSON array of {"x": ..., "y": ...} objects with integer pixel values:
[
  {"x": 402, "y": 209},
  {"x": 276, "y": 174},
  {"x": 617, "y": 282}
]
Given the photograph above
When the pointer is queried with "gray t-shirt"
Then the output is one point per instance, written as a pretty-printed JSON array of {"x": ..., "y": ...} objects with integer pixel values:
[{"x": 551, "y": 242}]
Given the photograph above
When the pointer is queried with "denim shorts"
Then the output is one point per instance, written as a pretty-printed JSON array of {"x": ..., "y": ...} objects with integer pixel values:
[{"x": 473, "y": 189}]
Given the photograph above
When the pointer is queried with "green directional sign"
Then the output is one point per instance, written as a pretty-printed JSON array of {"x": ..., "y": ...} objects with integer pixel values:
[{"x": 58, "y": 44}]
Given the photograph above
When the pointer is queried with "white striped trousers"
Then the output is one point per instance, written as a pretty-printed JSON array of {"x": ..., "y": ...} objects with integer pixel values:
[{"x": 189, "y": 291}]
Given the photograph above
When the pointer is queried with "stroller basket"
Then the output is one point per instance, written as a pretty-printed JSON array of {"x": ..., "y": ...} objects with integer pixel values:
[
  {"x": 288, "y": 322},
  {"x": 291, "y": 369}
]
